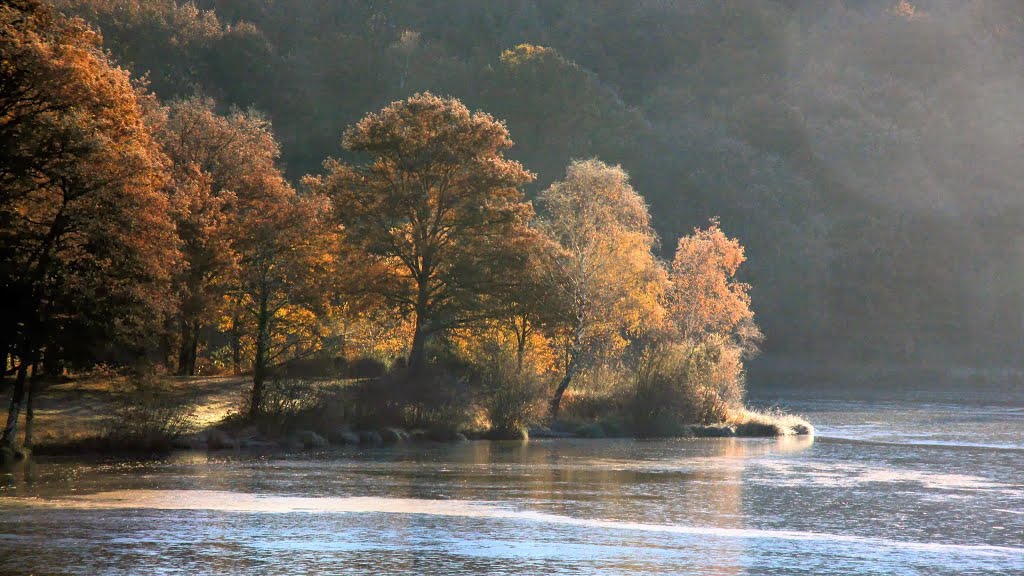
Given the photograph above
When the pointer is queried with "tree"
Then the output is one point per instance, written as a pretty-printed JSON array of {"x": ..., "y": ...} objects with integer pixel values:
[
  {"x": 224, "y": 168},
  {"x": 287, "y": 262},
  {"x": 524, "y": 308},
  {"x": 710, "y": 322},
  {"x": 85, "y": 240},
  {"x": 600, "y": 264},
  {"x": 705, "y": 299},
  {"x": 437, "y": 207}
]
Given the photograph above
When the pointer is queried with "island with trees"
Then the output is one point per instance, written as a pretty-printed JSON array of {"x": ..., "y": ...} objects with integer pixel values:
[{"x": 155, "y": 249}]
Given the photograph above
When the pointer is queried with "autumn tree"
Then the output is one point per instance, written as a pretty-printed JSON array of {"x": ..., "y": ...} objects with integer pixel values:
[
  {"x": 600, "y": 264},
  {"x": 711, "y": 323},
  {"x": 287, "y": 263},
  {"x": 523, "y": 308},
  {"x": 224, "y": 169},
  {"x": 86, "y": 244},
  {"x": 437, "y": 207},
  {"x": 705, "y": 299}
]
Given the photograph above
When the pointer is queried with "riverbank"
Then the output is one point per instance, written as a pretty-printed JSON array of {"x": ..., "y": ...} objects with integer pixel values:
[{"x": 105, "y": 414}]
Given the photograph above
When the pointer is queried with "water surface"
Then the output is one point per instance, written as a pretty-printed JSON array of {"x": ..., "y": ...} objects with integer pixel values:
[{"x": 886, "y": 488}]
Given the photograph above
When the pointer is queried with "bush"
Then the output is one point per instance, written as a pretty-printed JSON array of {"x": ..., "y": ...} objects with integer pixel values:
[
  {"x": 436, "y": 399},
  {"x": 304, "y": 368},
  {"x": 285, "y": 398},
  {"x": 597, "y": 393},
  {"x": 512, "y": 398},
  {"x": 289, "y": 404},
  {"x": 148, "y": 417},
  {"x": 365, "y": 368},
  {"x": 677, "y": 385}
]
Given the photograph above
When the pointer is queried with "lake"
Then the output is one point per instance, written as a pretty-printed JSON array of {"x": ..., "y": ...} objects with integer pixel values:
[{"x": 911, "y": 485}]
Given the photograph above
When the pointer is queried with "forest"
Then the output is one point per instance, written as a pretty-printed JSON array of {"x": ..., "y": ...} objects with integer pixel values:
[
  {"x": 840, "y": 141},
  {"x": 563, "y": 287},
  {"x": 288, "y": 187}
]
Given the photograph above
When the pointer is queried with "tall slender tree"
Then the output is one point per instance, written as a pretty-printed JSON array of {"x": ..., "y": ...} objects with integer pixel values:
[
  {"x": 600, "y": 265},
  {"x": 288, "y": 265}
]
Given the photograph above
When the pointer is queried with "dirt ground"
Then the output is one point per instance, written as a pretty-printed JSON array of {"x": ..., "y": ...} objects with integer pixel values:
[{"x": 70, "y": 410}]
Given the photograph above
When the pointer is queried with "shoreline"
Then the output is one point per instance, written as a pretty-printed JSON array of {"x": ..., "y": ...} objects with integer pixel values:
[
  {"x": 218, "y": 442},
  {"x": 75, "y": 417}
]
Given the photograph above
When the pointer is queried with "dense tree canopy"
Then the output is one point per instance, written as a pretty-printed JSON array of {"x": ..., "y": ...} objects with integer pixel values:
[
  {"x": 799, "y": 123},
  {"x": 437, "y": 206},
  {"x": 225, "y": 174},
  {"x": 87, "y": 242}
]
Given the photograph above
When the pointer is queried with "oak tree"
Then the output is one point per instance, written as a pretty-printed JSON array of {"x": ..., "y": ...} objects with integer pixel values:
[{"x": 437, "y": 206}]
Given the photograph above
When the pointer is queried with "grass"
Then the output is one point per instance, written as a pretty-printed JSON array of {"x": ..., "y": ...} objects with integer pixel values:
[
  {"x": 76, "y": 415},
  {"x": 771, "y": 422}
]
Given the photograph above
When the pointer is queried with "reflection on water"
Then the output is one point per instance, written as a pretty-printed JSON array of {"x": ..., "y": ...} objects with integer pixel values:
[{"x": 714, "y": 506}]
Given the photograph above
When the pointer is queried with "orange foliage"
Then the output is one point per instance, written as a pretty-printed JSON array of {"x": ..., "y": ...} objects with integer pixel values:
[
  {"x": 435, "y": 209},
  {"x": 704, "y": 298},
  {"x": 601, "y": 271},
  {"x": 86, "y": 245}
]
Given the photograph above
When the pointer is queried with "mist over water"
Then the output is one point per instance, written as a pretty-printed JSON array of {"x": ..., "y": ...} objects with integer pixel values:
[{"x": 852, "y": 500}]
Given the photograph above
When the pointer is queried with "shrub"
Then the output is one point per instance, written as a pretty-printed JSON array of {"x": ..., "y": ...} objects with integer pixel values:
[
  {"x": 287, "y": 397},
  {"x": 685, "y": 384},
  {"x": 365, "y": 368},
  {"x": 598, "y": 393},
  {"x": 149, "y": 417},
  {"x": 288, "y": 403},
  {"x": 512, "y": 398},
  {"x": 436, "y": 399},
  {"x": 303, "y": 368}
]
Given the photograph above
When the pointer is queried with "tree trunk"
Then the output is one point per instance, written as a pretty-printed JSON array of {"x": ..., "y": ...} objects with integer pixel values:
[
  {"x": 575, "y": 349},
  {"x": 193, "y": 354},
  {"x": 29, "y": 411},
  {"x": 5, "y": 353},
  {"x": 14, "y": 411},
  {"x": 259, "y": 368},
  {"x": 183, "y": 348},
  {"x": 556, "y": 401},
  {"x": 417, "y": 355},
  {"x": 521, "y": 335},
  {"x": 189, "y": 348},
  {"x": 236, "y": 346}
]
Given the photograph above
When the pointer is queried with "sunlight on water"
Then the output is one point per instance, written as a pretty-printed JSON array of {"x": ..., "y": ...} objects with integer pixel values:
[
  {"x": 251, "y": 503},
  {"x": 822, "y": 506}
]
